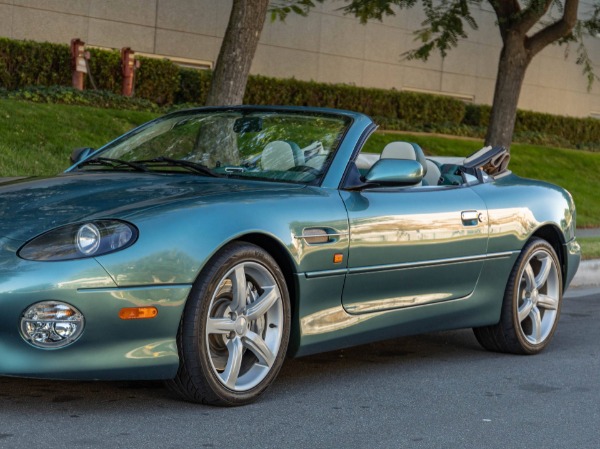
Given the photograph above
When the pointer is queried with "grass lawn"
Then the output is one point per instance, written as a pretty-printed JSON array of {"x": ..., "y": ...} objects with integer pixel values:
[
  {"x": 37, "y": 139},
  {"x": 590, "y": 247}
]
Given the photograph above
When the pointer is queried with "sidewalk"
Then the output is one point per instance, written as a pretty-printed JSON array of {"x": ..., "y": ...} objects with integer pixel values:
[
  {"x": 588, "y": 275},
  {"x": 591, "y": 232}
]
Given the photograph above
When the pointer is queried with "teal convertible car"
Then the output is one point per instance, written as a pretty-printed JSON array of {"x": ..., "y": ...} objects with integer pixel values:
[{"x": 203, "y": 247}]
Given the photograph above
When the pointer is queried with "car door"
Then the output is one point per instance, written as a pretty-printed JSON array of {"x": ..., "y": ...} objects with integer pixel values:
[{"x": 413, "y": 246}]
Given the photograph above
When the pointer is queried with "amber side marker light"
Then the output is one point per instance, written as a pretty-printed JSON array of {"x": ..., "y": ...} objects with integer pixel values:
[
  {"x": 338, "y": 258},
  {"x": 138, "y": 313}
]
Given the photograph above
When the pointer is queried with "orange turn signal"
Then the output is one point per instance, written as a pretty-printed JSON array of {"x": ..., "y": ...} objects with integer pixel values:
[
  {"x": 138, "y": 313},
  {"x": 338, "y": 258}
]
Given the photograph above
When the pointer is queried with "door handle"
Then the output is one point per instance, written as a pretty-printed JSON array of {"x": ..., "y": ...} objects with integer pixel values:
[{"x": 471, "y": 217}]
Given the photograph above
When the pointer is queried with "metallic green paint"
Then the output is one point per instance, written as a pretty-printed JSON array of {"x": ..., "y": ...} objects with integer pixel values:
[
  {"x": 395, "y": 171},
  {"x": 410, "y": 226},
  {"x": 415, "y": 259}
]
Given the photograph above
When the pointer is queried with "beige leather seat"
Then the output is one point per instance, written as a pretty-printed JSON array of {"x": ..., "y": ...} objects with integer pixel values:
[
  {"x": 278, "y": 156},
  {"x": 405, "y": 150}
]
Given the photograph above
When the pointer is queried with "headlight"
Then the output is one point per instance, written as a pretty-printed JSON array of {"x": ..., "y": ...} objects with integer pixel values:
[{"x": 77, "y": 241}]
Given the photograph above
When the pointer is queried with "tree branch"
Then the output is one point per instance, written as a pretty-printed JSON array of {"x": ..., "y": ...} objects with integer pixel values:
[
  {"x": 557, "y": 30},
  {"x": 532, "y": 14},
  {"x": 505, "y": 10}
]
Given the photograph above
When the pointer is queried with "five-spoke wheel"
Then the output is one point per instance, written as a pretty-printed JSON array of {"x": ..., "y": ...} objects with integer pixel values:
[
  {"x": 235, "y": 328},
  {"x": 531, "y": 304}
]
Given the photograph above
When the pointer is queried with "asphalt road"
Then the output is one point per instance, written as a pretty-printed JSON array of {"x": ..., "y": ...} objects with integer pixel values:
[{"x": 433, "y": 391}]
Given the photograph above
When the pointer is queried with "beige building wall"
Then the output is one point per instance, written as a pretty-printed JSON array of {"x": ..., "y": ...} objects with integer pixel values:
[{"x": 326, "y": 46}]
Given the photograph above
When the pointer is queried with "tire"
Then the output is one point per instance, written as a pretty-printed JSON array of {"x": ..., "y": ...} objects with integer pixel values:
[
  {"x": 531, "y": 306},
  {"x": 231, "y": 345}
]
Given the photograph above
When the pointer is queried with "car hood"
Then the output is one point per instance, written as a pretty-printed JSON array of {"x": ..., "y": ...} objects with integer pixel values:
[{"x": 29, "y": 207}]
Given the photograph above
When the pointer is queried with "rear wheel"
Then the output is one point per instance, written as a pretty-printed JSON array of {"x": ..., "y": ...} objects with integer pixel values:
[
  {"x": 531, "y": 306},
  {"x": 235, "y": 329}
]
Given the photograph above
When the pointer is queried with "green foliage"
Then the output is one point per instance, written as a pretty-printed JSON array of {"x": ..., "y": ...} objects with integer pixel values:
[
  {"x": 375, "y": 9},
  {"x": 280, "y": 9},
  {"x": 590, "y": 247},
  {"x": 162, "y": 83},
  {"x": 37, "y": 139},
  {"x": 429, "y": 109},
  {"x": 540, "y": 128},
  {"x": 193, "y": 86},
  {"x": 67, "y": 95},
  {"x": 105, "y": 70},
  {"x": 443, "y": 26},
  {"x": 157, "y": 80},
  {"x": 27, "y": 63}
]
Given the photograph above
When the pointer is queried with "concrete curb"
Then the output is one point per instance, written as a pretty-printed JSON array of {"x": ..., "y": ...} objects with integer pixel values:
[{"x": 588, "y": 275}]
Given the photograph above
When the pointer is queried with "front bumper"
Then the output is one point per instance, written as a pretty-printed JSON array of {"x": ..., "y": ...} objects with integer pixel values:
[
  {"x": 109, "y": 348},
  {"x": 572, "y": 250}
]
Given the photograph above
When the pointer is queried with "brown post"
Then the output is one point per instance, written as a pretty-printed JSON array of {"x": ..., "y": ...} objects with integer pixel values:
[
  {"x": 78, "y": 65},
  {"x": 128, "y": 65}
]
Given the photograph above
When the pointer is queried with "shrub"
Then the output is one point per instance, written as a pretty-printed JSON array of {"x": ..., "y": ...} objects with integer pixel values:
[
  {"x": 157, "y": 80},
  {"x": 193, "y": 86},
  {"x": 161, "y": 82},
  {"x": 27, "y": 63},
  {"x": 68, "y": 95}
]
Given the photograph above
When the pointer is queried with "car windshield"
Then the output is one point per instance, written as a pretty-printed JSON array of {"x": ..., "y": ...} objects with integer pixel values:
[{"x": 282, "y": 146}]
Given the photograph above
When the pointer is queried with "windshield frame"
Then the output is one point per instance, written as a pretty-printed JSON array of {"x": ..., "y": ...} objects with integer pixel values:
[{"x": 347, "y": 119}]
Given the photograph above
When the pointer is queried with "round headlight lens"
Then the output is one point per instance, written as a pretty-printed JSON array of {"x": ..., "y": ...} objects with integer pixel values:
[
  {"x": 51, "y": 324},
  {"x": 88, "y": 239}
]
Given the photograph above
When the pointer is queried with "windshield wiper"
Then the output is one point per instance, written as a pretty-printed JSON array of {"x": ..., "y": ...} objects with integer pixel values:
[
  {"x": 195, "y": 167},
  {"x": 113, "y": 163}
]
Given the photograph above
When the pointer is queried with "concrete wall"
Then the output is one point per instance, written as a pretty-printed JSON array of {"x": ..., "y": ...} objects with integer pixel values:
[{"x": 325, "y": 46}]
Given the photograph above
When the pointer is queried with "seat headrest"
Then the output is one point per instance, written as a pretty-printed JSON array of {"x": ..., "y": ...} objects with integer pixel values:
[
  {"x": 277, "y": 155},
  {"x": 405, "y": 150}
]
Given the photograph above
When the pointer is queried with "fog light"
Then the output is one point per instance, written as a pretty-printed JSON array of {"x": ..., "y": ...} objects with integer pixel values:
[{"x": 51, "y": 324}]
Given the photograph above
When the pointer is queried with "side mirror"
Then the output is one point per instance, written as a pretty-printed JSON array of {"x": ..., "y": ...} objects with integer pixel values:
[
  {"x": 80, "y": 154},
  {"x": 395, "y": 172}
]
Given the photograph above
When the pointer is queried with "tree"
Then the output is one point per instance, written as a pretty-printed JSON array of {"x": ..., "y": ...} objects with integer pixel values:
[
  {"x": 526, "y": 27},
  {"x": 245, "y": 25},
  {"x": 241, "y": 38}
]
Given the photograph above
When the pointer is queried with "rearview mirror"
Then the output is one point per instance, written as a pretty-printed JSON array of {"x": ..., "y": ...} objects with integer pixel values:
[
  {"x": 247, "y": 125},
  {"x": 395, "y": 172}
]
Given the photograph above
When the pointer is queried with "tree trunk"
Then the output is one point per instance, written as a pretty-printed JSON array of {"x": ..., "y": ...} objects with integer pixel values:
[
  {"x": 512, "y": 66},
  {"x": 237, "y": 51}
]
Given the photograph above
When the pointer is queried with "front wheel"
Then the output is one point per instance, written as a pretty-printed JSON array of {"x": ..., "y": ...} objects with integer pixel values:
[
  {"x": 235, "y": 329},
  {"x": 531, "y": 305}
]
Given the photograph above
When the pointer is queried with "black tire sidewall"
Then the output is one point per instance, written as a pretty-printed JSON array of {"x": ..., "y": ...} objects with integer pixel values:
[
  {"x": 197, "y": 311},
  {"x": 512, "y": 295}
]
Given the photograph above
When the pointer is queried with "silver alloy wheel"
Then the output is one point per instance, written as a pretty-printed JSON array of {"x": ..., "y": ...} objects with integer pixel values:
[
  {"x": 538, "y": 297},
  {"x": 245, "y": 326}
]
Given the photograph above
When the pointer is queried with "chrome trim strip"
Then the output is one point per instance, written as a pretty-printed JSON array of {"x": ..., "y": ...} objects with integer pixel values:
[
  {"x": 324, "y": 273},
  {"x": 408, "y": 265},
  {"x": 431, "y": 263}
]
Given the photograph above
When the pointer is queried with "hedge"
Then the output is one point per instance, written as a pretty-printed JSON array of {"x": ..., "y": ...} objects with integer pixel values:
[
  {"x": 26, "y": 63},
  {"x": 577, "y": 132}
]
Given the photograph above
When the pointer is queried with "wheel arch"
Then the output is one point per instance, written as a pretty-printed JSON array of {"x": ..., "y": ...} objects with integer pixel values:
[
  {"x": 284, "y": 259},
  {"x": 554, "y": 237}
]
